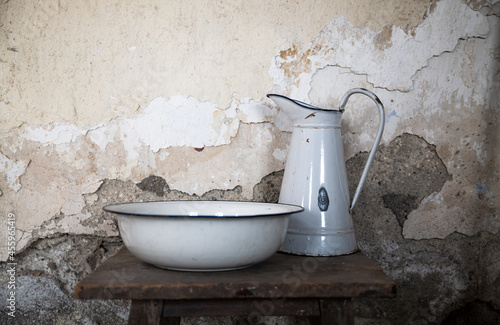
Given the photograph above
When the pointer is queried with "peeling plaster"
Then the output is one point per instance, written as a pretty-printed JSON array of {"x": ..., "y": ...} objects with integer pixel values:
[
  {"x": 12, "y": 171},
  {"x": 55, "y": 133},
  {"x": 385, "y": 66},
  {"x": 199, "y": 142},
  {"x": 165, "y": 123},
  {"x": 61, "y": 177},
  {"x": 162, "y": 124},
  {"x": 438, "y": 92}
]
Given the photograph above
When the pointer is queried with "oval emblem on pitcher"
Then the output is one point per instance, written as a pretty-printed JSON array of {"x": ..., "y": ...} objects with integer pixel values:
[{"x": 323, "y": 200}]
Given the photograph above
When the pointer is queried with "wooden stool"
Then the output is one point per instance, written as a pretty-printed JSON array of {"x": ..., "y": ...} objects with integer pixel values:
[{"x": 318, "y": 287}]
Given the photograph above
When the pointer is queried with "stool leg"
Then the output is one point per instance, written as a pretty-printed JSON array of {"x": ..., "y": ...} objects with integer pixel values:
[
  {"x": 336, "y": 311},
  {"x": 145, "y": 312},
  {"x": 170, "y": 321}
]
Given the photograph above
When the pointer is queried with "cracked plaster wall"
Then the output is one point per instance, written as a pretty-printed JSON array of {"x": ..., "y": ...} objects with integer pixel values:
[{"x": 178, "y": 90}]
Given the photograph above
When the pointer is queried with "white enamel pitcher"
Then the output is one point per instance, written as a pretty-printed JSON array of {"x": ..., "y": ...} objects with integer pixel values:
[{"x": 315, "y": 178}]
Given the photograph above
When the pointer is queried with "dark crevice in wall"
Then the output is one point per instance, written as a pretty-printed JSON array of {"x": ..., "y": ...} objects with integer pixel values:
[
  {"x": 154, "y": 184},
  {"x": 476, "y": 312}
]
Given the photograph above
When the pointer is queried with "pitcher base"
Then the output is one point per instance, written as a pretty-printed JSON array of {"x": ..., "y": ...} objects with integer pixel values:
[{"x": 314, "y": 245}]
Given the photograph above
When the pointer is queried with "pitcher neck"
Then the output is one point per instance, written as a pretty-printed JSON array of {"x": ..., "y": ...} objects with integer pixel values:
[
  {"x": 317, "y": 119},
  {"x": 306, "y": 115}
]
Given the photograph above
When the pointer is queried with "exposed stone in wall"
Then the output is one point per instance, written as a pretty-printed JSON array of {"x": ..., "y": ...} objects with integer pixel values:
[
  {"x": 268, "y": 190},
  {"x": 46, "y": 274},
  {"x": 434, "y": 277},
  {"x": 405, "y": 172},
  {"x": 154, "y": 184},
  {"x": 476, "y": 312},
  {"x": 489, "y": 271},
  {"x": 66, "y": 169},
  {"x": 50, "y": 268},
  {"x": 447, "y": 100}
]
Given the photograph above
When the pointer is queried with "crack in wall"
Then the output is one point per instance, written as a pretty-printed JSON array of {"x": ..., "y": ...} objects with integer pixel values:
[
  {"x": 92, "y": 220},
  {"x": 54, "y": 173},
  {"x": 341, "y": 44},
  {"x": 485, "y": 7},
  {"x": 160, "y": 125}
]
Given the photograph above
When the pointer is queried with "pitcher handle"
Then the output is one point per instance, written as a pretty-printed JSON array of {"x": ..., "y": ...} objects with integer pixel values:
[{"x": 380, "y": 106}]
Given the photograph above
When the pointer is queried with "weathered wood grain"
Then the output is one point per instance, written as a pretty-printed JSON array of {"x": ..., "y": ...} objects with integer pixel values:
[{"x": 123, "y": 276}]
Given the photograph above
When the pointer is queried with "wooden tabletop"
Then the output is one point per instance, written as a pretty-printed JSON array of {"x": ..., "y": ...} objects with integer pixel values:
[{"x": 123, "y": 276}]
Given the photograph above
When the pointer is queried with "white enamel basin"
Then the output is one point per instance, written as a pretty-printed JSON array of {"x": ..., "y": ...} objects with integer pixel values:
[{"x": 202, "y": 235}]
